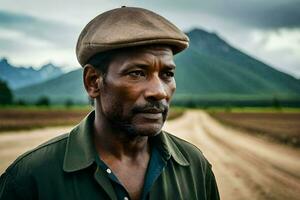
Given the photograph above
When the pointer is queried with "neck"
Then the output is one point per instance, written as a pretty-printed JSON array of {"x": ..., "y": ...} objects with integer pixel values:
[{"x": 111, "y": 142}]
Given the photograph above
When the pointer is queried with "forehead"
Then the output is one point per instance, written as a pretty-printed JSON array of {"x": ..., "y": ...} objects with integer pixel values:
[{"x": 151, "y": 53}]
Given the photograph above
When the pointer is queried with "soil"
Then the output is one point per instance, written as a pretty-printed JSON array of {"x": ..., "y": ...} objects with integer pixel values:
[
  {"x": 279, "y": 126},
  {"x": 245, "y": 166}
]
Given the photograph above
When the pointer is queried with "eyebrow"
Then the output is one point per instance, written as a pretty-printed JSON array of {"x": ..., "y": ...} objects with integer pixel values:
[
  {"x": 170, "y": 66},
  {"x": 140, "y": 65},
  {"x": 146, "y": 66}
]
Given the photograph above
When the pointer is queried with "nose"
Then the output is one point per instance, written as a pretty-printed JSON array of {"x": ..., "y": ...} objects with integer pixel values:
[{"x": 156, "y": 89}]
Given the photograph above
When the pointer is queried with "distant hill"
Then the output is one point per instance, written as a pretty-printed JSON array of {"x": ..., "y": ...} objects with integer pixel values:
[
  {"x": 17, "y": 77},
  {"x": 215, "y": 67},
  {"x": 210, "y": 69},
  {"x": 61, "y": 89}
]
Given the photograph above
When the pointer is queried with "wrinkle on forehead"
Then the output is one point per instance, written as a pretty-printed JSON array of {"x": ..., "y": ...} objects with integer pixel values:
[{"x": 160, "y": 49}]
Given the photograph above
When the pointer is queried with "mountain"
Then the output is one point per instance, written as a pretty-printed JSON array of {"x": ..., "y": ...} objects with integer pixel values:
[
  {"x": 212, "y": 66},
  {"x": 17, "y": 77},
  {"x": 210, "y": 69},
  {"x": 61, "y": 89}
]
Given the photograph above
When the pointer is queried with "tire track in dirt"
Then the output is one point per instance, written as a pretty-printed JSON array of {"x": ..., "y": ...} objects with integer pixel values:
[{"x": 246, "y": 167}]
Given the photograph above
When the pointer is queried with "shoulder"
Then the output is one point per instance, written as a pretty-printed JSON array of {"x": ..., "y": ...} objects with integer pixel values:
[
  {"x": 191, "y": 152},
  {"x": 199, "y": 171},
  {"x": 50, "y": 153},
  {"x": 21, "y": 178}
]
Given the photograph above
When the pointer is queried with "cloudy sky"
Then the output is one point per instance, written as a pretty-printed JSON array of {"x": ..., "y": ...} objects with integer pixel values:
[{"x": 34, "y": 32}]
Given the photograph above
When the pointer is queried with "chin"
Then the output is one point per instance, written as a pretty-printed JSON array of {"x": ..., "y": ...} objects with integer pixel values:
[{"x": 149, "y": 130}]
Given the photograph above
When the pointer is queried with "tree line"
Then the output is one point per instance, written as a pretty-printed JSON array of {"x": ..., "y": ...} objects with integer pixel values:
[{"x": 7, "y": 98}]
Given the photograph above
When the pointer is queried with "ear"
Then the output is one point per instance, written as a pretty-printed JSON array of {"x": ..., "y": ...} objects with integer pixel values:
[{"x": 91, "y": 79}]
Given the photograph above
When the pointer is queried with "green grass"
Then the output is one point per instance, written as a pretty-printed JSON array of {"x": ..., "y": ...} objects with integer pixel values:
[
  {"x": 252, "y": 109},
  {"x": 43, "y": 108}
]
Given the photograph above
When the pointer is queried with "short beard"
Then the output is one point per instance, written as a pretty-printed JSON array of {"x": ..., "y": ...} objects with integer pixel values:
[{"x": 126, "y": 126}]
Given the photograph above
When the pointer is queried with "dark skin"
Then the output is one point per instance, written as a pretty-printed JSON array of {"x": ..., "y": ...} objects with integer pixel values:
[{"x": 131, "y": 103}]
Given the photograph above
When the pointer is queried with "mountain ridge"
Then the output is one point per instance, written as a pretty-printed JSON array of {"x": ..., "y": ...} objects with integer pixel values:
[
  {"x": 17, "y": 77},
  {"x": 209, "y": 68}
]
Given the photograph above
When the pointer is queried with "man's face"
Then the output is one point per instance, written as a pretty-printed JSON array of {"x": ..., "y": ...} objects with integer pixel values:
[{"x": 137, "y": 90}]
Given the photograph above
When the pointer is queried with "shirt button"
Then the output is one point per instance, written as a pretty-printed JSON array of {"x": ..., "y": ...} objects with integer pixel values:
[
  {"x": 108, "y": 171},
  {"x": 126, "y": 198}
]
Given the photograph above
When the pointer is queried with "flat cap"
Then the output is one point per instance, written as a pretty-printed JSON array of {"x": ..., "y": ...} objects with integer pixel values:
[{"x": 127, "y": 27}]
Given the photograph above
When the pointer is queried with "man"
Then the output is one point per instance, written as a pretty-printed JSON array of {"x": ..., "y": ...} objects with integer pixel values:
[{"x": 119, "y": 151}]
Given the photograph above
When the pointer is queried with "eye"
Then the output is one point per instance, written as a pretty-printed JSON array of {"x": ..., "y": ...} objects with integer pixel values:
[
  {"x": 137, "y": 73},
  {"x": 168, "y": 74}
]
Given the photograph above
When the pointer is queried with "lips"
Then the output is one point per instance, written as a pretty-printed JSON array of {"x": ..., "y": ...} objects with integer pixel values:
[
  {"x": 151, "y": 113},
  {"x": 151, "y": 116},
  {"x": 152, "y": 110}
]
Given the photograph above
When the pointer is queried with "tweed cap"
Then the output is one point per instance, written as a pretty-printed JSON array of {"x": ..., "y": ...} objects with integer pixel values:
[{"x": 127, "y": 27}]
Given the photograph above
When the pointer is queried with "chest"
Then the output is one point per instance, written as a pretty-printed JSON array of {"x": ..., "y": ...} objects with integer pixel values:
[
  {"x": 132, "y": 178},
  {"x": 92, "y": 184}
]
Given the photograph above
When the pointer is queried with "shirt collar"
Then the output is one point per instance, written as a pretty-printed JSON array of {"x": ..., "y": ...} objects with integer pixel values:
[
  {"x": 170, "y": 149},
  {"x": 80, "y": 151}
]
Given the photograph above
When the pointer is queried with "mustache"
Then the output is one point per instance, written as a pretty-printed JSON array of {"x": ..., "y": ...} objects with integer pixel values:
[{"x": 150, "y": 106}]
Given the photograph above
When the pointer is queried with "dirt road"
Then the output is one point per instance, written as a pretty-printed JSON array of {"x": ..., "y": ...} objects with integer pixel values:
[
  {"x": 14, "y": 144},
  {"x": 246, "y": 167}
]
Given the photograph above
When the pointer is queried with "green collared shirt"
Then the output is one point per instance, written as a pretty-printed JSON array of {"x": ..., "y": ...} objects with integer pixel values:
[
  {"x": 65, "y": 168},
  {"x": 155, "y": 167}
]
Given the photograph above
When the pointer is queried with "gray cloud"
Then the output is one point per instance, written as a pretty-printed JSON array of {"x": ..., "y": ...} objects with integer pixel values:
[
  {"x": 267, "y": 14},
  {"x": 285, "y": 15},
  {"x": 57, "y": 33},
  {"x": 51, "y": 28},
  {"x": 11, "y": 45}
]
